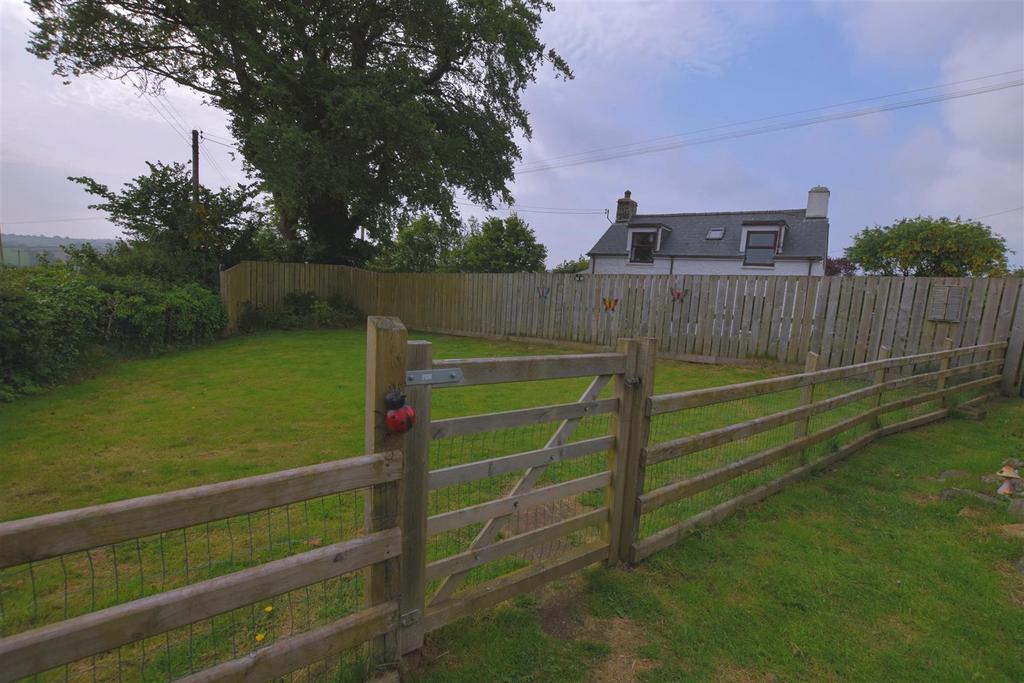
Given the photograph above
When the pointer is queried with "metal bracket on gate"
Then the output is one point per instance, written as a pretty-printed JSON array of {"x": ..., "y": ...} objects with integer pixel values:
[
  {"x": 445, "y": 376},
  {"x": 632, "y": 381},
  {"x": 409, "y": 618}
]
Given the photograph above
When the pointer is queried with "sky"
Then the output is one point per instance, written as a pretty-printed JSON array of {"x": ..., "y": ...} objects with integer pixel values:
[{"x": 643, "y": 71}]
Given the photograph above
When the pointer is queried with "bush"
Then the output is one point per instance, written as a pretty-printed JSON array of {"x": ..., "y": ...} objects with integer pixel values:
[
  {"x": 47, "y": 321},
  {"x": 50, "y": 315},
  {"x": 301, "y": 310},
  {"x": 142, "y": 315}
]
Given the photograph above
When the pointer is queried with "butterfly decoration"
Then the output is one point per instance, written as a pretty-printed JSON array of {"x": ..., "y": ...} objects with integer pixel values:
[
  {"x": 543, "y": 292},
  {"x": 609, "y": 304},
  {"x": 678, "y": 294}
]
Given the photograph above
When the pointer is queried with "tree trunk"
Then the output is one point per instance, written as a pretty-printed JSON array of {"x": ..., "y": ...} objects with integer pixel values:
[{"x": 331, "y": 229}]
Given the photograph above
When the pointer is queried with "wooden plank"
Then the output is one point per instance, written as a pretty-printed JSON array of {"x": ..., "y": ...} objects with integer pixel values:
[
  {"x": 464, "y": 562},
  {"x": 413, "y": 563},
  {"x": 386, "y": 349},
  {"x": 665, "y": 403},
  {"x": 446, "y": 521},
  {"x": 290, "y": 654},
  {"x": 806, "y": 399},
  {"x": 67, "y": 641},
  {"x": 1012, "y": 383},
  {"x": 475, "y": 424},
  {"x": 863, "y": 327},
  {"x": 667, "y": 537},
  {"x": 530, "y": 368},
  {"x": 829, "y": 328},
  {"x": 497, "y": 591},
  {"x": 37, "y": 538},
  {"x": 474, "y": 471},
  {"x": 491, "y": 529},
  {"x": 632, "y": 429}
]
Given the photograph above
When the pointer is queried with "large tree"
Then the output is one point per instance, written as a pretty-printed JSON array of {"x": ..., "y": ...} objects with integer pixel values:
[
  {"x": 930, "y": 247},
  {"x": 499, "y": 245},
  {"x": 425, "y": 245},
  {"x": 168, "y": 236},
  {"x": 350, "y": 111}
]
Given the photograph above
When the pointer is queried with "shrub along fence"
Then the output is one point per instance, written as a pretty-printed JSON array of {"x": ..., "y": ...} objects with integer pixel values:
[
  {"x": 256, "y": 578},
  {"x": 704, "y": 318}
]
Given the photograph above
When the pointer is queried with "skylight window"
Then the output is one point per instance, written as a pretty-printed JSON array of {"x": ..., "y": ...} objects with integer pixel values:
[{"x": 716, "y": 233}]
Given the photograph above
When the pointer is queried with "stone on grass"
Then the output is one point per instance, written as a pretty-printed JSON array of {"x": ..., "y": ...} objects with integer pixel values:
[
  {"x": 952, "y": 474},
  {"x": 953, "y": 494}
]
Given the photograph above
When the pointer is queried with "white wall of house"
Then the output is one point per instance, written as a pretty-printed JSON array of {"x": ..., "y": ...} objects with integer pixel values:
[{"x": 618, "y": 265}]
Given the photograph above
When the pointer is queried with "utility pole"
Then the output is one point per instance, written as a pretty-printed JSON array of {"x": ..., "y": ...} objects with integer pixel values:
[{"x": 195, "y": 167}]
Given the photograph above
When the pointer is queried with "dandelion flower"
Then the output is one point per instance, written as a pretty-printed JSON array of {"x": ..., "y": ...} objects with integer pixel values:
[
  {"x": 260, "y": 637},
  {"x": 268, "y": 609}
]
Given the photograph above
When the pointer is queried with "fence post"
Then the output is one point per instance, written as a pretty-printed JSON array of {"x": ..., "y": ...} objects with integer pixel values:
[
  {"x": 806, "y": 399},
  {"x": 416, "y": 458},
  {"x": 631, "y": 426},
  {"x": 883, "y": 354},
  {"x": 944, "y": 364},
  {"x": 385, "y": 369}
]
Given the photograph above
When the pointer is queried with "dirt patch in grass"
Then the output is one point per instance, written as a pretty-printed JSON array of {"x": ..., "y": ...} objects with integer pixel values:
[
  {"x": 559, "y": 613},
  {"x": 1014, "y": 584},
  {"x": 624, "y": 639}
]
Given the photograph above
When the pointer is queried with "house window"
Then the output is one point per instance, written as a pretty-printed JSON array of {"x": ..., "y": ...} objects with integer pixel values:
[
  {"x": 716, "y": 233},
  {"x": 760, "y": 248},
  {"x": 642, "y": 248}
]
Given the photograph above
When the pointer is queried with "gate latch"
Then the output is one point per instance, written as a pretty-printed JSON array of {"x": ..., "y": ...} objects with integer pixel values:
[
  {"x": 441, "y": 376},
  {"x": 409, "y": 618},
  {"x": 632, "y": 381}
]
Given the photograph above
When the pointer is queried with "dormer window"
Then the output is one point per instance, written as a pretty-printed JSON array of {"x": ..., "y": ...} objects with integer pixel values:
[
  {"x": 760, "y": 248},
  {"x": 643, "y": 244},
  {"x": 715, "y": 233}
]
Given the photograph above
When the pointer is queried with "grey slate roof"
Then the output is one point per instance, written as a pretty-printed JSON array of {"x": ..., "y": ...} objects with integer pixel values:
[{"x": 805, "y": 237}]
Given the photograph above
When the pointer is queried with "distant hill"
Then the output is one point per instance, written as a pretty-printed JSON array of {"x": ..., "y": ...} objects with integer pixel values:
[{"x": 24, "y": 250}]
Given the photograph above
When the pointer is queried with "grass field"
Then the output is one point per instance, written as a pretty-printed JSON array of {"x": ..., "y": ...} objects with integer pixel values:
[{"x": 860, "y": 574}]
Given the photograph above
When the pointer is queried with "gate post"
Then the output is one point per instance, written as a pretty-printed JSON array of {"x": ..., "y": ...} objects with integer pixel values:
[
  {"x": 385, "y": 369},
  {"x": 631, "y": 426},
  {"x": 416, "y": 460}
]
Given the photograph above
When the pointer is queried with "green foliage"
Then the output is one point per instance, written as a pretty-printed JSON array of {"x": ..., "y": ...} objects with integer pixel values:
[
  {"x": 51, "y": 314},
  {"x": 302, "y": 310},
  {"x": 349, "y": 112},
  {"x": 500, "y": 245},
  {"x": 579, "y": 265},
  {"x": 47, "y": 321},
  {"x": 930, "y": 247},
  {"x": 839, "y": 266},
  {"x": 425, "y": 245},
  {"x": 170, "y": 238},
  {"x": 144, "y": 315}
]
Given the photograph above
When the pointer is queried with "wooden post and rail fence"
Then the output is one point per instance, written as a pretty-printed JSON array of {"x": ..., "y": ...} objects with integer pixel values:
[{"x": 624, "y": 473}]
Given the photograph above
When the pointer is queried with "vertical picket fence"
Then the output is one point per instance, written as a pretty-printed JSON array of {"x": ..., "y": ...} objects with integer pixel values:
[{"x": 702, "y": 318}]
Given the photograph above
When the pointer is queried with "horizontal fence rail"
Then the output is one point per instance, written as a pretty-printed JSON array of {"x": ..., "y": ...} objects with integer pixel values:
[
  {"x": 111, "y": 572},
  {"x": 699, "y": 478},
  {"x": 706, "y": 318}
]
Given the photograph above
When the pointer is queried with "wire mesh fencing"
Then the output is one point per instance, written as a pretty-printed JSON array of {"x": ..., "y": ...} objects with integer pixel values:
[{"x": 45, "y": 592}]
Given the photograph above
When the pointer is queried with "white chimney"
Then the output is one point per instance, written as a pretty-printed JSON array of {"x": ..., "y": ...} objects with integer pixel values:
[
  {"x": 626, "y": 208},
  {"x": 817, "y": 202}
]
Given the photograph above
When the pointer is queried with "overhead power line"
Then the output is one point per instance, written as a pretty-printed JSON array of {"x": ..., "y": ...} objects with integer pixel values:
[
  {"x": 538, "y": 209},
  {"x": 54, "y": 220},
  {"x": 786, "y": 125},
  {"x": 1000, "y": 213},
  {"x": 779, "y": 116}
]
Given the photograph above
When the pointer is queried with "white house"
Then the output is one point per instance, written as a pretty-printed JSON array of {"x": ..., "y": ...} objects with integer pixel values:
[{"x": 781, "y": 242}]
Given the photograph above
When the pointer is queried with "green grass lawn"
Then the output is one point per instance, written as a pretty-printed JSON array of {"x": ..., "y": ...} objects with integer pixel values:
[{"x": 859, "y": 574}]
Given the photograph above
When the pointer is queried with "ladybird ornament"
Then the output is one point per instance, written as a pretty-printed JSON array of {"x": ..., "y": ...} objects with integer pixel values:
[{"x": 399, "y": 417}]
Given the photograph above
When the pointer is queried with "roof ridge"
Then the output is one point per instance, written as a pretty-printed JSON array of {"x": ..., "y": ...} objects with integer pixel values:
[{"x": 717, "y": 213}]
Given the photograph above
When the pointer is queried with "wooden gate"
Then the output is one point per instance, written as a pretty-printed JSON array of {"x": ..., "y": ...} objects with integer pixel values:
[{"x": 514, "y": 499}]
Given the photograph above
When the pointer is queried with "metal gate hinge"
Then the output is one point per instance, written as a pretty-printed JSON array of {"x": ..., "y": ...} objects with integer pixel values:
[
  {"x": 632, "y": 381},
  {"x": 409, "y": 618},
  {"x": 443, "y": 376}
]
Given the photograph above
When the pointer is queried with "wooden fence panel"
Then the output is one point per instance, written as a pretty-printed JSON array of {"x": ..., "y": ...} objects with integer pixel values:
[{"x": 706, "y": 318}]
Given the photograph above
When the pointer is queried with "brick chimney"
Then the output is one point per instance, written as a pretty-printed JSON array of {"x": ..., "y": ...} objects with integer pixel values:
[
  {"x": 626, "y": 208},
  {"x": 817, "y": 202}
]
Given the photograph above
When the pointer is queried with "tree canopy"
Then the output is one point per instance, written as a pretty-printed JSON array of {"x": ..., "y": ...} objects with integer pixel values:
[
  {"x": 577, "y": 265},
  {"x": 171, "y": 238},
  {"x": 349, "y": 112},
  {"x": 502, "y": 245},
  {"x": 424, "y": 245},
  {"x": 930, "y": 247}
]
